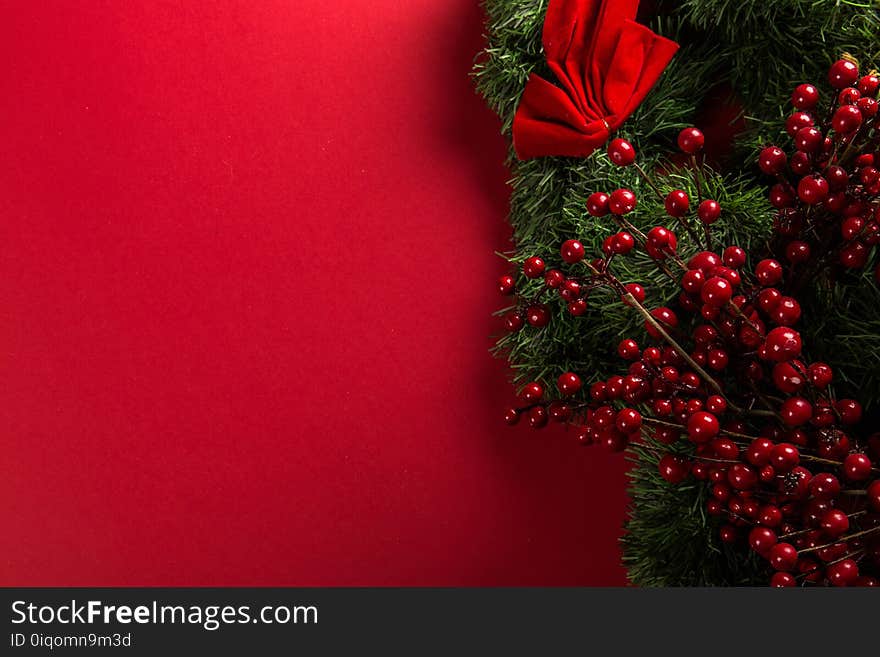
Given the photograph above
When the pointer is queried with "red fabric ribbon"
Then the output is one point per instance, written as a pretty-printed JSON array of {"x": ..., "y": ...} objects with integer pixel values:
[{"x": 606, "y": 64}]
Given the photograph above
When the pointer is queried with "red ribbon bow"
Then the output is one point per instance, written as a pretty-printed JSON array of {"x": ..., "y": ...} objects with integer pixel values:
[{"x": 606, "y": 64}]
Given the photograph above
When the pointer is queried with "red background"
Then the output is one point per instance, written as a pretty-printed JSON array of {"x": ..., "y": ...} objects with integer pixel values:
[{"x": 245, "y": 276}]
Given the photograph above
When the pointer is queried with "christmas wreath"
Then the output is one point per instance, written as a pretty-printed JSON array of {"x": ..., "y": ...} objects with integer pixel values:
[{"x": 696, "y": 280}]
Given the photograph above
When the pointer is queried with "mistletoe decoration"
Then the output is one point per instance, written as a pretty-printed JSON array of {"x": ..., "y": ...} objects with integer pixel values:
[{"x": 742, "y": 297}]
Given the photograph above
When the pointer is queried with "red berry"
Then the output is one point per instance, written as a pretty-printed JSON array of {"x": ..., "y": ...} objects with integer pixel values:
[
  {"x": 782, "y": 556},
  {"x": 692, "y": 281},
  {"x": 808, "y": 140},
  {"x": 628, "y": 420},
  {"x": 577, "y": 307},
  {"x": 812, "y": 189},
  {"x": 569, "y": 383},
  {"x": 772, "y": 160},
  {"x": 797, "y": 252},
  {"x": 709, "y": 211},
  {"x": 804, "y": 97},
  {"x": 506, "y": 285},
  {"x": 850, "y": 411},
  {"x": 843, "y": 573},
  {"x": 538, "y": 417},
  {"x": 716, "y": 405},
  {"x": 783, "y": 343},
  {"x": 853, "y": 255},
  {"x": 621, "y": 152},
  {"x": 796, "y": 411},
  {"x": 820, "y": 375},
  {"x": 636, "y": 290},
  {"x": 717, "y": 359},
  {"x": 770, "y": 516},
  {"x": 572, "y": 251},
  {"x": 768, "y": 272},
  {"x": 628, "y": 349},
  {"x": 704, "y": 260},
  {"x": 846, "y": 120},
  {"x": 824, "y": 486},
  {"x": 789, "y": 377},
  {"x": 532, "y": 392},
  {"x": 843, "y": 73},
  {"x": 538, "y": 315},
  {"x": 716, "y": 291},
  {"x": 533, "y": 267},
  {"x": 677, "y": 203},
  {"x": 868, "y": 107},
  {"x": 622, "y": 243},
  {"x": 782, "y": 580},
  {"x": 761, "y": 539},
  {"x": 733, "y": 256},
  {"x": 784, "y": 457},
  {"x": 786, "y": 312},
  {"x": 857, "y": 467},
  {"x": 848, "y": 96},
  {"x": 673, "y": 469},
  {"x": 621, "y": 201},
  {"x": 742, "y": 477},
  {"x": 597, "y": 204},
  {"x": 690, "y": 140},
  {"x": 781, "y": 196},
  {"x": 868, "y": 85},
  {"x": 511, "y": 416},
  {"x": 665, "y": 317},
  {"x": 834, "y": 523},
  {"x": 514, "y": 321},
  {"x": 797, "y": 121},
  {"x": 874, "y": 495},
  {"x": 702, "y": 427},
  {"x": 554, "y": 279}
]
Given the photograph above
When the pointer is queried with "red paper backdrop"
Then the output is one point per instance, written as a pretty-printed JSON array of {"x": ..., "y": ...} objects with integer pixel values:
[{"x": 245, "y": 275}]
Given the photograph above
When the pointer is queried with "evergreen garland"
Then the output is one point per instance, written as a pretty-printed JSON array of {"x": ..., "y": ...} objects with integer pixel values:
[{"x": 759, "y": 50}]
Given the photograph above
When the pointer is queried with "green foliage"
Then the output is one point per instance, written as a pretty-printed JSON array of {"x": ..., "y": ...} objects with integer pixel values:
[{"x": 759, "y": 50}]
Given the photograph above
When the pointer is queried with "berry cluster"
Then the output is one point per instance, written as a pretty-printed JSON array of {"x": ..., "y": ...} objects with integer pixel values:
[
  {"x": 722, "y": 390},
  {"x": 827, "y": 188}
]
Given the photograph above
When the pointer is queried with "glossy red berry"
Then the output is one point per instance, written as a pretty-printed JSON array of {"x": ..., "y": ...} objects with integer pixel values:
[
  {"x": 554, "y": 279},
  {"x": 761, "y": 539},
  {"x": 843, "y": 73},
  {"x": 868, "y": 85},
  {"x": 673, "y": 469},
  {"x": 636, "y": 290},
  {"x": 628, "y": 420},
  {"x": 628, "y": 349},
  {"x": 621, "y": 152},
  {"x": 742, "y": 477},
  {"x": 569, "y": 383},
  {"x": 514, "y": 321},
  {"x": 702, "y": 427},
  {"x": 847, "y": 119},
  {"x": 534, "y": 267},
  {"x": 812, "y": 189},
  {"x": 733, "y": 257},
  {"x": 538, "y": 315},
  {"x": 506, "y": 285},
  {"x": 716, "y": 291},
  {"x": 781, "y": 580},
  {"x": 857, "y": 467},
  {"x": 538, "y": 417},
  {"x": 873, "y": 495},
  {"x": 850, "y": 411},
  {"x": 797, "y": 121},
  {"x": 824, "y": 486},
  {"x": 708, "y": 211},
  {"x": 808, "y": 140},
  {"x": 577, "y": 307},
  {"x": 782, "y": 343},
  {"x": 789, "y": 377},
  {"x": 621, "y": 201},
  {"x": 768, "y": 272},
  {"x": 572, "y": 251},
  {"x": 853, "y": 255},
  {"x": 772, "y": 160},
  {"x": 843, "y": 573},
  {"x": 797, "y": 252},
  {"x": 784, "y": 457},
  {"x": 690, "y": 140},
  {"x": 597, "y": 204},
  {"x": 805, "y": 97},
  {"x": 782, "y": 556},
  {"x": 834, "y": 523},
  {"x": 622, "y": 243},
  {"x": 677, "y": 203},
  {"x": 532, "y": 392},
  {"x": 796, "y": 411},
  {"x": 665, "y": 317}
]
